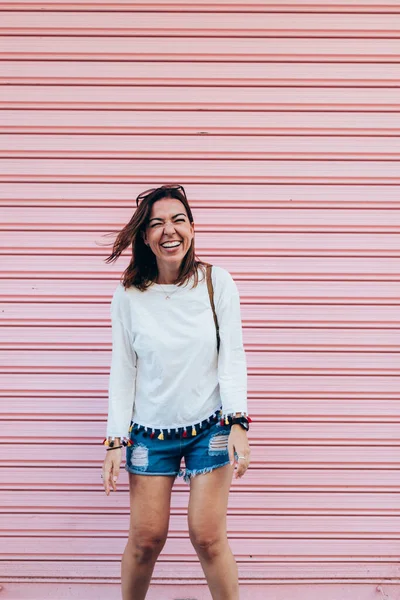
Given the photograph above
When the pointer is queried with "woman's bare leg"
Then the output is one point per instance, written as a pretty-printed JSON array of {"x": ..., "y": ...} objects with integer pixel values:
[
  {"x": 150, "y": 499},
  {"x": 207, "y": 529}
]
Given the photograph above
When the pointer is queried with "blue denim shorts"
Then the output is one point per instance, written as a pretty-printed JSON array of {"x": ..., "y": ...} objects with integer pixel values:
[{"x": 159, "y": 452}]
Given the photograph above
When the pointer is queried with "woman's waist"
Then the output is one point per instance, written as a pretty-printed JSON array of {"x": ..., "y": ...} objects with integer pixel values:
[
  {"x": 171, "y": 415},
  {"x": 187, "y": 431}
]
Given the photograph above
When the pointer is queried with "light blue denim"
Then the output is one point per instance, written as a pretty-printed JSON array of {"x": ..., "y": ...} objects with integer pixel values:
[{"x": 203, "y": 452}]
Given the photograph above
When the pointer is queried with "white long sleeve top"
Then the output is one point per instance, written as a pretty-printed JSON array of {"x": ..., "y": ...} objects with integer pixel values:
[{"x": 165, "y": 369}]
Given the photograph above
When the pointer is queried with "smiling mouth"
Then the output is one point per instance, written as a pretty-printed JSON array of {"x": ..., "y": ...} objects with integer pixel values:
[{"x": 171, "y": 244}]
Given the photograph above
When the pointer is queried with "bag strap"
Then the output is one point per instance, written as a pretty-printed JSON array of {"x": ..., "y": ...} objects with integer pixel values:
[{"x": 211, "y": 295}]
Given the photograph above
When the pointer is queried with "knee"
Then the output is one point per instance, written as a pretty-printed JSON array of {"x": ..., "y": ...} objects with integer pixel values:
[
  {"x": 145, "y": 548},
  {"x": 208, "y": 544}
]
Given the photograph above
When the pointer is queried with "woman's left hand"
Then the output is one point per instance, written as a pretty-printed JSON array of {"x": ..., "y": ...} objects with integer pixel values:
[{"x": 238, "y": 442}]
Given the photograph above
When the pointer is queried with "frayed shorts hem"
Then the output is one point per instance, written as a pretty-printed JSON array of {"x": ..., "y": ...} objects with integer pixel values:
[
  {"x": 139, "y": 472},
  {"x": 189, "y": 474},
  {"x": 186, "y": 474}
]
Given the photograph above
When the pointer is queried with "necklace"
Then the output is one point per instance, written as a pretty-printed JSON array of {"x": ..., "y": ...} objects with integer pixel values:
[{"x": 168, "y": 296}]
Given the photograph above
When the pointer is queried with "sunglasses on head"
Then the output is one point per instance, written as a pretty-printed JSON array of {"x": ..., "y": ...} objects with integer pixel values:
[{"x": 153, "y": 191}]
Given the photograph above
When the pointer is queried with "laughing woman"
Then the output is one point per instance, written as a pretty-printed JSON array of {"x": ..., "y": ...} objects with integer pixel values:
[{"x": 177, "y": 389}]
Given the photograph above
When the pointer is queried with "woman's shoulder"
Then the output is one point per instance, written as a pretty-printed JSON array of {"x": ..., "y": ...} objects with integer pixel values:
[
  {"x": 122, "y": 294},
  {"x": 119, "y": 293},
  {"x": 120, "y": 301},
  {"x": 223, "y": 281}
]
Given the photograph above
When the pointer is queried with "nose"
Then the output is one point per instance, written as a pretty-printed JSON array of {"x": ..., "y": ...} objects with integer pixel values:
[{"x": 169, "y": 228}]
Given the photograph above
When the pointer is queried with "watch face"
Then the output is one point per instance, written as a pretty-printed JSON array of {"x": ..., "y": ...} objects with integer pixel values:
[{"x": 245, "y": 425}]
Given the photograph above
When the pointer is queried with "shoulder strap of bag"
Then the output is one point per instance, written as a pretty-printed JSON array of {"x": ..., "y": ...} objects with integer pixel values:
[{"x": 211, "y": 295}]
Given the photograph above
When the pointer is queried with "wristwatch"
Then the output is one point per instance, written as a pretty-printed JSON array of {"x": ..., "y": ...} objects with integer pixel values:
[{"x": 242, "y": 421}]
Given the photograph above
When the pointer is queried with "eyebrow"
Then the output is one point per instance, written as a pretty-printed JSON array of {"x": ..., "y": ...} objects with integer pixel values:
[{"x": 159, "y": 219}]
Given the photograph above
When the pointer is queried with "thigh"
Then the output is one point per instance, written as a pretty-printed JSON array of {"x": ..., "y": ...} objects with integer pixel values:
[
  {"x": 152, "y": 456},
  {"x": 208, "y": 502},
  {"x": 150, "y": 500},
  {"x": 206, "y": 451}
]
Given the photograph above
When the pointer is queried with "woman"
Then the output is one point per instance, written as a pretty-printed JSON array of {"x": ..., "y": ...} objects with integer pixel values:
[{"x": 175, "y": 390}]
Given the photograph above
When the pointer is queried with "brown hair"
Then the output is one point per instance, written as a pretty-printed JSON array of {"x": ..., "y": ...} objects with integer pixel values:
[{"x": 142, "y": 270}]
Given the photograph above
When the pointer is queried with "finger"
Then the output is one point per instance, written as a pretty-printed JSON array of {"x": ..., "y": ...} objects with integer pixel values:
[
  {"x": 106, "y": 476},
  {"x": 239, "y": 471},
  {"x": 242, "y": 466},
  {"x": 116, "y": 470},
  {"x": 242, "y": 463},
  {"x": 111, "y": 484},
  {"x": 114, "y": 479}
]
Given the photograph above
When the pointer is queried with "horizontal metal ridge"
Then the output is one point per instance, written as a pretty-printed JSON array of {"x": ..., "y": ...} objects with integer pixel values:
[
  {"x": 101, "y": 196},
  {"x": 266, "y": 526},
  {"x": 73, "y": 408},
  {"x": 204, "y": 6},
  {"x": 322, "y": 479},
  {"x": 378, "y": 282},
  {"x": 76, "y": 289},
  {"x": 367, "y": 156},
  {"x": 197, "y": 179},
  {"x": 192, "y": 171},
  {"x": 151, "y": 73},
  {"x": 171, "y": 133},
  {"x": 40, "y": 548},
  {"x": 309, "y": 386},
  {"x": 99, "y": 224},
  {"x": 201, "y": 147},
  {"x": 216, "y": 24},
  {"x": 178, "y": 527},
  {"x": 324, "y": 432},
  {"x": 308, "y": 312},
  {"x": 259, "y": 362},
  {"x": 263, "y": 454},
  {"x": 241, "y": 501},
  {"x": 294, "y": 578},
  {"x": 183, "y": 49},
  {"x": 379, "y": 203},
  {"x": 204, "y": 106},
  {"x": 199, "y": 58}
]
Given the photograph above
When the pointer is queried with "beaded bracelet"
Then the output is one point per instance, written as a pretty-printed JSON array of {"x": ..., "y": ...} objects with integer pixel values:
[{"x": 124, "y": 442}]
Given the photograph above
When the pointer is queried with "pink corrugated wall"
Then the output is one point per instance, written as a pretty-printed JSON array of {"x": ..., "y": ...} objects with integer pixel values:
[{"x": 282, "y": 121}]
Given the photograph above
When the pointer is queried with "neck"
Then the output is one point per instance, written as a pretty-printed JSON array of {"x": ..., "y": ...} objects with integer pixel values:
[{"x": 167, "y": 273}]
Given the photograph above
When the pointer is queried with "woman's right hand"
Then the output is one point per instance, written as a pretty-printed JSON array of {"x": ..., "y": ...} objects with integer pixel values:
[{"x": 111, "y": 466}]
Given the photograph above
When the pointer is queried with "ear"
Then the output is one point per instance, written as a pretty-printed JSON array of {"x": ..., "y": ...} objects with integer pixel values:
[{"x": 144, "y": 236}]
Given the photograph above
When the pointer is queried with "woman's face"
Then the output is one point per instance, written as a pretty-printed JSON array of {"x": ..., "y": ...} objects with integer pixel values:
[{"x": 168, "y": 232}]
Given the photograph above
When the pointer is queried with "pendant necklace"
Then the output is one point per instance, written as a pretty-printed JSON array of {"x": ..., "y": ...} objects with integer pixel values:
[{"x": 168, "y": 296}]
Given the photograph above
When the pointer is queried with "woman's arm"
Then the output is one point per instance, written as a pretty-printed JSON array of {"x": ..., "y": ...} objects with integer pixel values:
[
  {"x": 232, "y": 366},
  {"x": 122, "y": 379}
]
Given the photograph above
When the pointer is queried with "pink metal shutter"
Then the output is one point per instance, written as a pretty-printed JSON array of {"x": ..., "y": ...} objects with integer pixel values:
[{"x": 282, "y": 122}]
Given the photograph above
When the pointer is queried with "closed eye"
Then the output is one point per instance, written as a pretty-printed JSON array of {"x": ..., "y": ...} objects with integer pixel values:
[{"x": 177, "y": 221}]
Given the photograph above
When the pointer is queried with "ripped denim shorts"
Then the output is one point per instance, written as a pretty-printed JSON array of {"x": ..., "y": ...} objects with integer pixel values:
[{"x": 204, "y": 448}]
